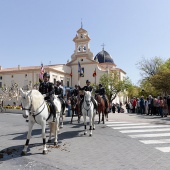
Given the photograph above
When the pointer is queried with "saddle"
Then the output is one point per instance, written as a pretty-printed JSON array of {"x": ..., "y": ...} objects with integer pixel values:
[{"x": 49, "y": 106}]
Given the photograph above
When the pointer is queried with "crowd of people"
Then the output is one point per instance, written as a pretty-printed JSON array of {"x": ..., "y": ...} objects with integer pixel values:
[{"x": 150, "y": 106}]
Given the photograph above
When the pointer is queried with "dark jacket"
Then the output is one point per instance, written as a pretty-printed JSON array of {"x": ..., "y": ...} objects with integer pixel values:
[
  {"x": 47, "y": 88},
  {"x": 58, "y": 91},
  {"x": 101, "y": 91},
  {"x": 75, "y": 92},
  {"x": 87, "y": 88}
]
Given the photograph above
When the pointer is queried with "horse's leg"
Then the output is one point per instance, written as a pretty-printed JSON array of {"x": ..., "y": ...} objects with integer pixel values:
[
  {"x": 30, "y": 126},
  {"x": 44, "y": 138},
  {"x": 103, "y": 114},
  {"x": 56, "y": 134},
  {"x": 49, "y": 140},
  {"x": 61, "y": 120},
  {"x": 72, "y": 115},
  {"x": 85, "y": 124},
  {"x": 99, "y": 116},
  {"x": 90, "y": 123},
  {"x": 93, "y": 124},
  {"x": 78, "y": 113}
]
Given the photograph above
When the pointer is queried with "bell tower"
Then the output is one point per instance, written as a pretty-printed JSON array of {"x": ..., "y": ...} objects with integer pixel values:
[{"x": 82, "y": 48}]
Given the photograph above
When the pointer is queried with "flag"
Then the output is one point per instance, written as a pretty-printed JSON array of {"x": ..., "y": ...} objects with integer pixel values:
[
  {"x": 94, "y": 74},
  {"x": 79, "y": 68},
  {"x": 42, "y": 70},
  {"x": 71, "y": 73}
]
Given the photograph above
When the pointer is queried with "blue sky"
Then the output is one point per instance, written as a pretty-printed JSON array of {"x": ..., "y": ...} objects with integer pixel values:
[{"x": 35, "y": 31}]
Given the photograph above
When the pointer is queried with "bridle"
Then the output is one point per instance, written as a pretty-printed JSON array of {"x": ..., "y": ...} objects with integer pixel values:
[{"x": 31, "y": 112}]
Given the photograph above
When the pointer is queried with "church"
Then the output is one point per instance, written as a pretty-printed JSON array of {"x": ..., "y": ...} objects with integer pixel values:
[{"x": 83, "y": 65}]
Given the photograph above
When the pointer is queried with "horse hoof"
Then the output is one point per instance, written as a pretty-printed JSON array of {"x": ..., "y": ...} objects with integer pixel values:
[
  {"x": 55, "y": 143},
  {"x": 23, "y": 153},
  {"x": 93, "y": 128},
  {"x": 90, "y": 135},
  {"x": 49, "y": 141},
  {"x": 85, "y": 133},
  {"x": 45, "y": 152},
  {"x": 98, "y": 122}
]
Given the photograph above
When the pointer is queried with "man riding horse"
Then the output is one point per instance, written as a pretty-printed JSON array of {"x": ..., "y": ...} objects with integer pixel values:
[
  {"x": 88, "y": 88},
  {"x": 75, "y": 92},
  {"x": 59, "y": 92},
  {"x": 102, "y": 92},
  {"x": 46, "y": 88}
]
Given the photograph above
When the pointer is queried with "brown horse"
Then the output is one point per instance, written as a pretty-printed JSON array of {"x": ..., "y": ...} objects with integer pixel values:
[
  {"x": 101, "y": 108},
  {"x": 75, "y": 107}
]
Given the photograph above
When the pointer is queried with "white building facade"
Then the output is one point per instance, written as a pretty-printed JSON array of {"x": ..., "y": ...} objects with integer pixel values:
[{"x": 67, "y": 73}]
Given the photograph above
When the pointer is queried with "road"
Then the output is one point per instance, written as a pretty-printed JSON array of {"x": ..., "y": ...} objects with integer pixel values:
[{"x": 126, "y": 142}]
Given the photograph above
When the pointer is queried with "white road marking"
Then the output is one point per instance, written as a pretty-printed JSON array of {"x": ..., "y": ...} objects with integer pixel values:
[
  {"x": 163, "y": 149},
  {"x": 145, "y": 130},
  {"x": 127, "y": 124},
  {"x": 158, "y": 141},
  {"x": 140, "y": 127},
  {"x": 149, "y": 135}
]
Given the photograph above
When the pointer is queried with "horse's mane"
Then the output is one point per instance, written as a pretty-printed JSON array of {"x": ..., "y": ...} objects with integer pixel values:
[{"x": 37, "y": 98}]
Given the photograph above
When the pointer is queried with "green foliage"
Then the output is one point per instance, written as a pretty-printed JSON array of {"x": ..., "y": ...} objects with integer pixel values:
[
  {"x": 161, "y": 82},
  {"x": 113, "y": 84}
]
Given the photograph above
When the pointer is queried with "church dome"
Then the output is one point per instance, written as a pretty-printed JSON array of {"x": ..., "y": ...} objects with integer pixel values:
[{"x": 104, "y": 57}]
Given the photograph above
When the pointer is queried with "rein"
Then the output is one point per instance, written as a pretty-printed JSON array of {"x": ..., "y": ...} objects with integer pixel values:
[{"x": 29, "y": 109}]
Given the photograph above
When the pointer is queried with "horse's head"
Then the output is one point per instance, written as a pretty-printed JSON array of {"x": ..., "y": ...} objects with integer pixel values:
[
  {"x": 26, "y": 102},
  {"x": 87, "y": 97}
]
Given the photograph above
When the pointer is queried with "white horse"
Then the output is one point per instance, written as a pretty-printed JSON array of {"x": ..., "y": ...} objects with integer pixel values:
[
  {"x": 35, "y": 107},
  {"x": 88, "y": 110}
]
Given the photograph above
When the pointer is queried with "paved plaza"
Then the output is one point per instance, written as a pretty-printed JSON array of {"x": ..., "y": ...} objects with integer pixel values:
[{"x": 126, "y": 142}]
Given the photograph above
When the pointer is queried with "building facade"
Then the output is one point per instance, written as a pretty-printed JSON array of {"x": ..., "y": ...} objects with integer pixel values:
[{"x": 81, "y": 60}]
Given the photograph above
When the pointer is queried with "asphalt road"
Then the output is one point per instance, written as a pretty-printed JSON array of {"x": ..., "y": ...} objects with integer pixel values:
[{"x": 112, "y": 146}]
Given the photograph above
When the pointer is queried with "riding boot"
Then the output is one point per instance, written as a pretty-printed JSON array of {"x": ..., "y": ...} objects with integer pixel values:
[{"x": 94, "y": 103}]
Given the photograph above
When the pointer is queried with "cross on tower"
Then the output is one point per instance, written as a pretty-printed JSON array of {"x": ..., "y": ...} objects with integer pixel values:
[{"x": 103, "y": 45}]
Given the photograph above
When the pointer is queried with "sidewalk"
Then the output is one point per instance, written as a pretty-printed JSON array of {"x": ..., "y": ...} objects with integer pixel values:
[{"x": 129, "y": 117}]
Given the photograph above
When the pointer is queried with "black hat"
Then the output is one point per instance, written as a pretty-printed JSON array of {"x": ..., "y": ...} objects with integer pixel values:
[
  {"x": 87, "y": 81},
  {"x": 46, "y": 75}
]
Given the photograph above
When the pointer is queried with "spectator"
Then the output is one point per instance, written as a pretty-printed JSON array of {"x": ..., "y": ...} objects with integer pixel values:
[
  {"x": 146, "y": 105},
  {"x": 165, "y": 108},
  {"x": 150, "y": 105},
  {"x": 127, "y": 107},
  {"x": 134, "y": 105},
  {"x": 161, "y": 106},
  {"x": 142, "y": 105},
  {"x": 113, "y": 108},
  {"x": 168, "y": 104}
]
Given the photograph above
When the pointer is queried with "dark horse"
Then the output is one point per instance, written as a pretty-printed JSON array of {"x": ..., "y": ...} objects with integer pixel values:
[
  {"x": 75, "y": 107},
  {"x": 63, "y": 106},
  {"x": 101, "y": 108}
]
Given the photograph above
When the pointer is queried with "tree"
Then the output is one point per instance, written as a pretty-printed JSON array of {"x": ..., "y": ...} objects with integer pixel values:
[
  {"x": 113, "y": 84},
  {"x": 161, "y": 82},
  {"x": 150, "y": 67}
]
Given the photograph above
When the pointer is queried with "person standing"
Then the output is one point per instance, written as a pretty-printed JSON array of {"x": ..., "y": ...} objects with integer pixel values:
[{"x": 134, "y": 105}]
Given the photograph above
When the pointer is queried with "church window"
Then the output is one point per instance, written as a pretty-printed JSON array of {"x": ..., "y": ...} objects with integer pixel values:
[{"x": 0, "y": 77}]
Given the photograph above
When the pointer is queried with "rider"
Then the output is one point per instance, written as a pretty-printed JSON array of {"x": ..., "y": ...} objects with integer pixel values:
[
  {"x": 88, "y": 88},
  {"x": 75, "y": 92},
  {"x": 46, "y": 88},
  {"x": 101, "y": 91},
  {"x": 59, "y": 92}
]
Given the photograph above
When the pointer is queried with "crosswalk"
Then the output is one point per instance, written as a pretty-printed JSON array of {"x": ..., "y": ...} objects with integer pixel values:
[{"x": 146, "y": 133}]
